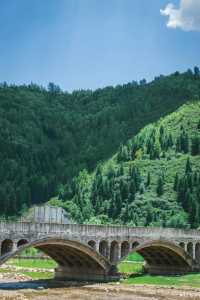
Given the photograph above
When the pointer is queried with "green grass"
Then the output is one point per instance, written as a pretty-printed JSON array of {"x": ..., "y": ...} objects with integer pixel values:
[
  {"x": 4, "y": 270},
  {"x": 136, "y": 269},
  {"x": 133, "y": 263},
  {"x": 33, "y": 263},
  {"x": 33, "y": 275},
  {"x": 192, "y": 280},
  {"x": 134, "y": 257},
  {"x": 130, "y": 268},
  {"x": 39, "y": 275}
]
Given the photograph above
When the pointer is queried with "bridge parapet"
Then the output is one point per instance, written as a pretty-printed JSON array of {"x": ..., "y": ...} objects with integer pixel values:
[{"x": 98, "y": 230}]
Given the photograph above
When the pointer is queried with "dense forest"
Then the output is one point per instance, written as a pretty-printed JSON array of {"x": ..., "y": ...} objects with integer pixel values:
[
  {"x": 51, "y": 140},
  {"x": 153, "y": 180}
]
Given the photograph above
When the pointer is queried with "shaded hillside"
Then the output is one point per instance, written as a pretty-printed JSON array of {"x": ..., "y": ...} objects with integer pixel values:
[
  {"x": 153, "y": 180},
  {"x": 48, "y": 136}
]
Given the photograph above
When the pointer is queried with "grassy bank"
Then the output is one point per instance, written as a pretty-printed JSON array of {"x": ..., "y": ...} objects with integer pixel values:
[
  {"x": 130, "y": 267},
  {"x": 39, "y": 275},
  {"x": 133, "y": 267},
  {"x": 33, "y": 263},
  {"x": 33, "y": 268},
  {"x": 192, "y": 280}
]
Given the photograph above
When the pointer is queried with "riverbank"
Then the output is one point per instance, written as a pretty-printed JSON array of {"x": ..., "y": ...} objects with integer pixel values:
[
  {"x": 132, "y": 273},
  {"x": 50, "y": 290},
  {"x": 26, "y": 279}
]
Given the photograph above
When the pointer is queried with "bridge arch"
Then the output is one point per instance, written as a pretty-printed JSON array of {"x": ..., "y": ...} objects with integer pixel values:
[
  {"x": 164, "y": 257},
  {"x": 125, "y": 248},
  {"x": 114, "y": 252},
  {"x": 6, "y": 246},
  {"x": 135, "y": 245},
  {"x": 22, "y": 242},
  {"x": 197, "y": 252},
  {"x": 190, "y": 249},
  {"x": 75, "y": 260},
  {"x": 92, "y": 244},
  {"x": 104, "y": 248},
  {"x": 182, "y": 245}
]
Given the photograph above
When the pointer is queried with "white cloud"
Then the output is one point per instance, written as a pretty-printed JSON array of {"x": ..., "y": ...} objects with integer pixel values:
[{"x": 186, "y": 17}]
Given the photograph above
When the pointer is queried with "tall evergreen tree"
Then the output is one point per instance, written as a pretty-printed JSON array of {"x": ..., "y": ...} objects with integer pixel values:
[
  {"x": 176, "y": 182},
  {"x": 188, "y": 167},
  {"x": 195, "y": 146},
  {"x": 148, "y": 182},
  {"x": 160, "y": 186}
]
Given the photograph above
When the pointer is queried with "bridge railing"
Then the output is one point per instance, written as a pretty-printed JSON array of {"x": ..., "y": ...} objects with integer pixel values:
[
  {"x": 27, "y": 227},
  {"x": 94, "y": 230}
]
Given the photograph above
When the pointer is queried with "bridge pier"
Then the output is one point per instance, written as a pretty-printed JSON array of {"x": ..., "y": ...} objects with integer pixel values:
[{"x": 85, "y": 274}]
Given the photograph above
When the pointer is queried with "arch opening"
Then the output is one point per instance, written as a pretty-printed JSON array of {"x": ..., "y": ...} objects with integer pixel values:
[
  {"x": 190, "y": 249},
  {"x": 103, "y": 248},
  {"x": 124, "y": 249},
  {"x": 21, "y": 242},
  {"x": 197, "y": 253},
  {"x": 182, "y": 245},
  {"x": 92, "y": 244},
  {"x": 6, "y": 246},
  {"x": 135, "y": 244},
  {"x": 114, "y": 252}
]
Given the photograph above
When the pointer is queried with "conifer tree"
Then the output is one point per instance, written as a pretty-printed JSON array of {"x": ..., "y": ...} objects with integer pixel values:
[
  {"x": 160, "y": 186},
  {"x": 148, "y": 182},
  {"x": 184, "y": 140},
  {"x": 188, "y": 167},
  {"x": 195, "y": 146},
  {"x": 198, "y": 125},
  {"x": 176, "y": 182},
  {"x": 142, "y": 188},
  {"x": 170, "y": 141},
  {"x": 132, "y": 188}
]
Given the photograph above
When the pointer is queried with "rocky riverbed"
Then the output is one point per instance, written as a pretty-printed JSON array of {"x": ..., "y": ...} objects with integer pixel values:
[{"x": 21, "y": 287}]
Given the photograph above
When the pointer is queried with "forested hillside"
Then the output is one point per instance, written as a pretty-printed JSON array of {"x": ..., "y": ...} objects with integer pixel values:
[
  {"x": 48, "y": 136},
  {"x": 153, "y": 180}
]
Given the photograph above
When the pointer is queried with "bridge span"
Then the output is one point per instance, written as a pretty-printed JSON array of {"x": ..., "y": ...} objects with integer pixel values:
[{"x": 92, "y": 252}]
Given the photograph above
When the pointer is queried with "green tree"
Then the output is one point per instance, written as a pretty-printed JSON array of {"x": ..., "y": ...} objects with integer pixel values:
[
  {"x": 176, "y": 182},
  {"x": 148, "y": 182},
  {"x": 160, "y": 186},
  {"x": 195, "y": 146},
  {"x": 188, "y": 167}
]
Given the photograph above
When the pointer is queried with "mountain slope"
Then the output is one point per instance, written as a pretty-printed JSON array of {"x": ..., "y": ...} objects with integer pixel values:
[
  {"x": 48, "y": 136},
  {"x": 153, "y": 180}
]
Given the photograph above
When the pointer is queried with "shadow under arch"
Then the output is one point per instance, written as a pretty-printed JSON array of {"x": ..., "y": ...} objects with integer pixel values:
[
  {"x": 164, "y": 257},
  {"x": 76, "y": 261}
]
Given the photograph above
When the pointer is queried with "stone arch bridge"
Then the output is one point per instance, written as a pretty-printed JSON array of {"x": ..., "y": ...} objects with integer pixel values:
[{"x": 92, "y": 252}]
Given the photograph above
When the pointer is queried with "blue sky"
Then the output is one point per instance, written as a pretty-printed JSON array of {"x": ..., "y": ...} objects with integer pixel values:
[{"x": 93, "y": 43}]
